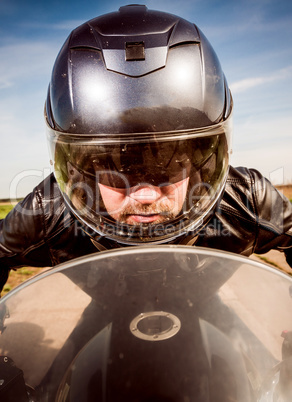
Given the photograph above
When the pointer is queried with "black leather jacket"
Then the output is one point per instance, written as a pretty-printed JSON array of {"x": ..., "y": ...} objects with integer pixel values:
[{"x": 252, "y": 217}]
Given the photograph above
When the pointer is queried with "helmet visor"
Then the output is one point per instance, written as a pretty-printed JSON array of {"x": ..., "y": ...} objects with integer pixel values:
[{"x": 133, "y": 183}]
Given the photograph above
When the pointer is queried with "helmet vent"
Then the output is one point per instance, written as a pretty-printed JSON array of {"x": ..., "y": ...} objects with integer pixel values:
[{"x": 135, "y": 51}]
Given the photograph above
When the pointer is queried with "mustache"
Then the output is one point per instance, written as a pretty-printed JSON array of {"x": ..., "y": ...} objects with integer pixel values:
[{"x": 160, "y": 208}]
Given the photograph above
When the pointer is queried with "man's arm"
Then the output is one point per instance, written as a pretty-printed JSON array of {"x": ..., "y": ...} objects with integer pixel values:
[
  {"x": 41, "y": 232},
  {"x": 252, "y": 217},
  {"x": 23, "y": 236},
  {"x": 274, "y": 212}
]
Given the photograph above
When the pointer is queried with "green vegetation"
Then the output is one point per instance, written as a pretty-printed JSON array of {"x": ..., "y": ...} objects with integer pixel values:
[
  {"x": 6, "y": 289},
  {"x": 4, "y": 209},
  {"x": 268, "y": 261},
  {"x": 19, "y": 276}
]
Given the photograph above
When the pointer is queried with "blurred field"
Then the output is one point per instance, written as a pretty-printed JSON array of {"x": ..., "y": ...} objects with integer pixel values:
[
  {"x": 4, "y": 209},
  {"x": 286, "y": 189}
]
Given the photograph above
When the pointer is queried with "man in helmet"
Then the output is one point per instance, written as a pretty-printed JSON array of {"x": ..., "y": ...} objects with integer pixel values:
[{"x": 139, "y": 114}]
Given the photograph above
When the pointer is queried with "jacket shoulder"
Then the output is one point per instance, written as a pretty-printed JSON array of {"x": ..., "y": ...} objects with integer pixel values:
[
  {"x": 30, "y": 223},
  {"x": 257, "y": 200},
  {"x": 50, "y": 204},
  {"x": 238, "y": 197}
]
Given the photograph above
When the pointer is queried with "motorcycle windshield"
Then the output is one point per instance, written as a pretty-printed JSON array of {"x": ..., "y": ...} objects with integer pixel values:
[{"x": 159, "y": 323}]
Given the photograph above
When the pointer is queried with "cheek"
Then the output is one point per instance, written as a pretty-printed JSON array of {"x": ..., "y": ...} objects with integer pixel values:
[
  {"x": 113, "y": 199},
  {"x": 184, "y": 189},
  {"x": 177, "y": 191}
]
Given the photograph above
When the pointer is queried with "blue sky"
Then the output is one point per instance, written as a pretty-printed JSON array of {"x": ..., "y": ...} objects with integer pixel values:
[{"x": 251, "y": 38}]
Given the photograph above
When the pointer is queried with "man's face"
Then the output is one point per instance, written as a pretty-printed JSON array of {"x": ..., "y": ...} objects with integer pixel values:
[{"x": 144, "y": 203}]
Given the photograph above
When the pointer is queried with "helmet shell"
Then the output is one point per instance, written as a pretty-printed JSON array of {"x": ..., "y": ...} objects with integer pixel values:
[{"x": 136, "y": 70}]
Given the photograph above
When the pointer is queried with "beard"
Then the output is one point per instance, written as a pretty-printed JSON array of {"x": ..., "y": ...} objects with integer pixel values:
[{"x": 162, "y": 209}]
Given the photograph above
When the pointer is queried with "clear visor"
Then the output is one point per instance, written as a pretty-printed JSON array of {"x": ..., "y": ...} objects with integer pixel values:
[{"x": 128, "y": 186}]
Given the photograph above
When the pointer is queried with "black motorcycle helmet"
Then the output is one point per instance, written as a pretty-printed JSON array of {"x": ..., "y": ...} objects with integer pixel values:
[{"x": 138, "y": 98}]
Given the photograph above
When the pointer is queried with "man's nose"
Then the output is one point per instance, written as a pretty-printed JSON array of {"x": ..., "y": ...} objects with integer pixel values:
[{"x": 145, "y": 193}]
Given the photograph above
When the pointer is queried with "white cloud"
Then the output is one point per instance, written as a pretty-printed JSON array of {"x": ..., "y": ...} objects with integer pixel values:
[
  {"x": 265, "y": 144},
  {"x": 248, "y": 83},
  {"x": 255, "y": 22},
  {"x": 66, "y": 25},
  {"x": 273, "y": 162},
  {"x": 5, "y": 83},
  {"x": 28, "y": 59}
]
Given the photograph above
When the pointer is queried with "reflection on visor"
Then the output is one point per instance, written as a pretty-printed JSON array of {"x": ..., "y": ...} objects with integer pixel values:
[
  {"x": 115, "y": 179},
  {"x": 83, "y": 165},
  {"x": 127, "y": 165}
]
